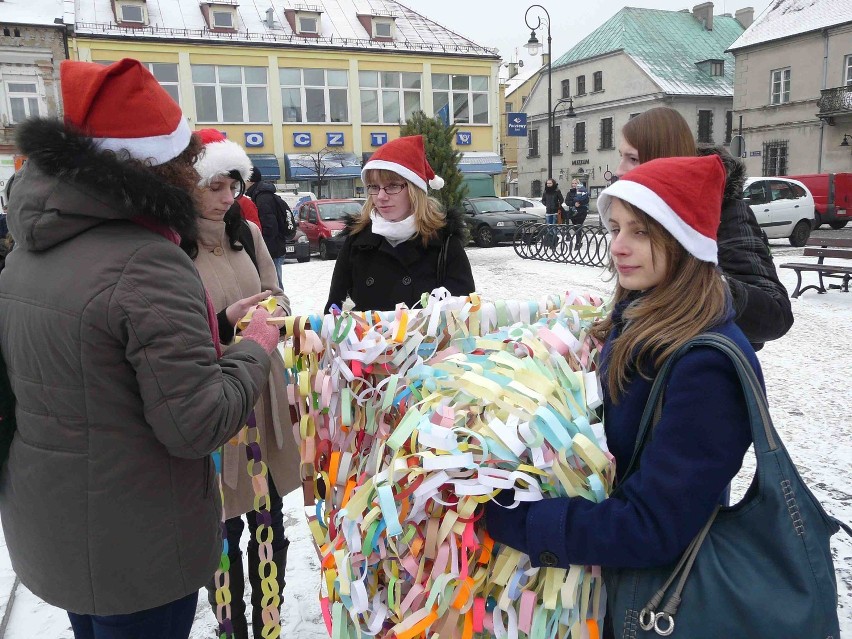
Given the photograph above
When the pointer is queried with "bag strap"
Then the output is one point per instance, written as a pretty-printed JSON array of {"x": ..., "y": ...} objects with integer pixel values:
[
  {"x": 442, "y": 260},
  {"x": 247, "y": 240}
]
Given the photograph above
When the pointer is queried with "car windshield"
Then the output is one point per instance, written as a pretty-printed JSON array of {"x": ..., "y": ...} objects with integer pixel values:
[
  {"x": 493, "y": 206},
  {"x": 339, "y": 210}
]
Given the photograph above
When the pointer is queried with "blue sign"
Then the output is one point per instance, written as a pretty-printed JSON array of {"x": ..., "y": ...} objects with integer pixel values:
[
  {"x": 378, "y": 139},
  {"x": 334, "y": 139},
  {"x": 517, "y": 125},
  {"x": 302, "y": 139},
  {"x": 755, "y": 154},
  {"x": 254, "y": 139},
  {"x": 464, "y": 138}
]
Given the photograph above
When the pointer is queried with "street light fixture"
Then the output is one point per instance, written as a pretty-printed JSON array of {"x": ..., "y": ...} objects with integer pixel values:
[
  {"x": 846, "y": 138},
  {"x": 534, "y": 46},
  {"x": 570, "y": 113}
]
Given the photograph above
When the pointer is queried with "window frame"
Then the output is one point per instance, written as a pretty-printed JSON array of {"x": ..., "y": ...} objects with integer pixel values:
[
  {"x": 576, "y": 148},
  {"x": 380, "y": 90},
  {"x": 131, "y": 5},
  {"x": 390, "y": 23},
  {"x": 566, "y": 88},
  {"x": 847, "y": 71},
  {"x": 308, "y": 16},
  {"x": 597, "y": 81},
  {"x": 214, "y": 13},
  {"x": 729, "y": 126},
  {"x": 705, "y": 137},
  {"x": 581, "y": 84},
  {"x": 776, "y": 154},
  {"x": 303, "y": 87},
  {"x": 782, "y": 96},
  {"x": 471, "y": 95},
  {"x": 533, "y": 150},
  {"x": 555, "y": 140},
  {"x": 244, "y": 94},
  {"x": 717, "y": 68},
  {"x": 26, "y": 97},
  {"x": 604, "y": 146}
]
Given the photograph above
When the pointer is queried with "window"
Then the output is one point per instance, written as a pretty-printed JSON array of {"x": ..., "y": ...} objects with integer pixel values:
[
  {"x": 775, "y": 158},
  {"x": 309, "y": 24},
  {"x": 780, "y": 90},
  {"x": 581, "y": 85},
  {"x": 535, "y": 188},
  {"x": 382, "y": 28},
  {"x": 756, "y": 193},
  {"x": 597, "y": 79},
  {"x": 633, "y": 115},
  {"x": 223, "y": 20},
  {"x": 556, "y": 140},
  {"x": 389, "y": 97},
  {"x": 579, "y": 137},
  {"x": 230, "y": 93},
  {"x": 729, "y": 126},
  {"x": 508, "y": 107},
  {"x": 314, "y": 95},
  {"x": 23, "y": 101},
  {"x": 848, "y": 70},
  {"x": 705, "y": 126},
  {"x": 532, "y": 141},
  {"x": 566, "y": 88},
  {"x": 132, "y": 13},
  {"x": 464, "y": 96},
  {"x": 717, "y": 68},
  {"x": 606, "y": 133}
]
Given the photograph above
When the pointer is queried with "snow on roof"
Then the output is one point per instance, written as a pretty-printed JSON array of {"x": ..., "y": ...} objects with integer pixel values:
[
  {"x": 31, "y": 12},
  {"x": 786, "y": 18},
  {"x": 339, "y": 25},
  {"x": 515, "y": 83}
]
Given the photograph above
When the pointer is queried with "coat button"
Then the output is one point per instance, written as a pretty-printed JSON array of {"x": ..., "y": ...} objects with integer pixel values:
[
  {"x": 370, "y": 281},
  {"x": 406, "y": 280},
  {"x": 548, "y": 559},
  {"x": 218, "y": 251}
]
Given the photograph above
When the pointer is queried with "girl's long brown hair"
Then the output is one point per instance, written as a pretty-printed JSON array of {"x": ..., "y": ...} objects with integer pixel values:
[
  {"x": 429, "y": 218},
  {"x": 660, "y": 132},
  {"x": 691, "y": 298}
]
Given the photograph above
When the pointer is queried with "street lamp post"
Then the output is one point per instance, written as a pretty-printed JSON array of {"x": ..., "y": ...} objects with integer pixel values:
[{"x": 533, "y": 46}]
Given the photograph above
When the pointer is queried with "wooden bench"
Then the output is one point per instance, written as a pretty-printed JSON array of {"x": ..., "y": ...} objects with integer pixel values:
[{"x": 837, "y": 248}]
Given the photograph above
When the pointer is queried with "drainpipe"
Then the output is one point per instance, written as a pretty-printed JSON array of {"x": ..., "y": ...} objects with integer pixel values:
[{"x": 824, "y": 86}]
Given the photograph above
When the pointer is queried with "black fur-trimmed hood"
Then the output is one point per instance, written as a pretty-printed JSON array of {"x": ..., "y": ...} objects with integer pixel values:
[
  {"x": 68, "y": 185},
  {"x": 455, "y": 225},
  {"x": 736, "y": 171}
]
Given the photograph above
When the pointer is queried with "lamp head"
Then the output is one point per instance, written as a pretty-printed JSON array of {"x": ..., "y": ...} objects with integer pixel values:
[
  {"x": 533, "y": 45},
  {"x": 845, "y": 142}
]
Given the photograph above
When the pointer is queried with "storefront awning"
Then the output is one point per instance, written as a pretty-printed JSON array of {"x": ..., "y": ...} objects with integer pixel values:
[
  {"x": 267, "y": 164},
  {"x": 481, "y": 162},
  {"x": 303, "y": 166}
]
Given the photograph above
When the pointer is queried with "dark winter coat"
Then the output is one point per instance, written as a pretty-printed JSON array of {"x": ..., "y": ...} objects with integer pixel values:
[
  {"x": 263, "y": 195},
  {"x": 378, "y": 276},
  {"x": 580, "y": 199},
  {"x": 761, "y": 303},
  {"x": 108, "y": 501},
  {"x": 552, "y": 200},
  {"x": 697, "y": 449}
]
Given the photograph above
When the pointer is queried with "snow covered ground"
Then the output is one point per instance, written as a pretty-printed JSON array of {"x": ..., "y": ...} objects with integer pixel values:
[{"x": 807, "y": 373}]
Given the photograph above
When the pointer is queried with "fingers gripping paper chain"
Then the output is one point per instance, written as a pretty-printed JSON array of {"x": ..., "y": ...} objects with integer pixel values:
[{"x": 412, "y": 420}]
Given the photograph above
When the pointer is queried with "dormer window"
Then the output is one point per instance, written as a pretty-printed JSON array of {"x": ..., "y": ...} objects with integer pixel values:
[
  {"x": 222, "y": 19},
  {"x": 220, "y": 15},
  {"x": 305, "y": 20},
  {"x": 380, "y": 26},
  {"x": 383, "y": 28},
  {"x": 131, "y": 13},
  {"x": 713, "y": 68},
  {"x": 308, "y": 23}
]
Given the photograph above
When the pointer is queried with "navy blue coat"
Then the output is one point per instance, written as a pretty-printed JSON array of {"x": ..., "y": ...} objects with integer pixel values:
[{"x": 697, "y": 448}]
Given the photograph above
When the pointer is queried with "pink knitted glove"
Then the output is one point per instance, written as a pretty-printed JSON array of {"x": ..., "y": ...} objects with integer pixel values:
[{"x": 259, "y": 331}]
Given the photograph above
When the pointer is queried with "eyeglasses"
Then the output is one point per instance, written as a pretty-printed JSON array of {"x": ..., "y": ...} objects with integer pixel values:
[{"x": 390, "y": 189}]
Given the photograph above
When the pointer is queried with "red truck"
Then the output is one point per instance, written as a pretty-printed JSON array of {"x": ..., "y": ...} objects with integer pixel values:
[{"x": 832, "y": 197}]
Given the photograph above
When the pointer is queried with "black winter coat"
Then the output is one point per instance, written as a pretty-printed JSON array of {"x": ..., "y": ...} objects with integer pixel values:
[
  {"x": 552, "y": 200},
  {"x": 761, "y": 303},
  {"x": 378, "y": 276},
  {"x": 274, "y": 235}
]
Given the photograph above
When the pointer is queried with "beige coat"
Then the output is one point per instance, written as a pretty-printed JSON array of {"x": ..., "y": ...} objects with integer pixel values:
[{"x": 229, "y": 276}]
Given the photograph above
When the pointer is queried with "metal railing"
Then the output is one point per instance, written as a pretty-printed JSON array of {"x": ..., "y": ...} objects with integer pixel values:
[
  {"x": 835, "y": 101},
  {"x": 573, "y": 244}
]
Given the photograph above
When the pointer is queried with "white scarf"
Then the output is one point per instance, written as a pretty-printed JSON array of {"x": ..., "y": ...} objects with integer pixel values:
[{"x": 394, "y": 232}]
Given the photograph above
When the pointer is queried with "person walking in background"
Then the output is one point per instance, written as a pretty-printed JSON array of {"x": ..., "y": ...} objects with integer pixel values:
[
  {"x": 108, "y": 502},
  {"x": 237, "y": 270},
  {"x": 761, "y": 304},
  {"x": 552, "y": 200},
  {"x": 578, "y": 211},
  {"x": 274, "y": 218},
  {"x": 402, "y": 244}
]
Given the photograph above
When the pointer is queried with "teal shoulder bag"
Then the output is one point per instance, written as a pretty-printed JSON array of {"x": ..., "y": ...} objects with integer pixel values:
[{"x": 759, "y": 569}]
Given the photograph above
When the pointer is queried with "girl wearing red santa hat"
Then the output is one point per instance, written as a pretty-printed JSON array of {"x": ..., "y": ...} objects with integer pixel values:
[
  {"x": 662, "y": 217},
  {"x": 402, "y": 245}
]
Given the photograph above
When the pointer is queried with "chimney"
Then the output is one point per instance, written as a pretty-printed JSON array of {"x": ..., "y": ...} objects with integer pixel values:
[
  {"x": 513, "y": 69},
  {"x": 704, "y": 14},
  {"x": 270, "y": 18},
  {"x": 745, "y": 16},
  {"x": 545, "y": 59}
]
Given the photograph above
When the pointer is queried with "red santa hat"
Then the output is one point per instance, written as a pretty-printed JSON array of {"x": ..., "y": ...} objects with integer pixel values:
[
  {"x": 406, "y": 157},
  {"x": 683, "y": 194},
  {"x": 219, "y": 157},
  {"x": 124, "y": 108}
]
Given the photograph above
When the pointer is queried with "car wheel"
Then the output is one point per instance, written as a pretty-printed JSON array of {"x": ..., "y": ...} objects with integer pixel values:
[
  {"x": 801, "y": 233},
  {"x": 838, "y": 224},
  {"x": 484, "y": 237},
  {"x": 323, "y": 251}
]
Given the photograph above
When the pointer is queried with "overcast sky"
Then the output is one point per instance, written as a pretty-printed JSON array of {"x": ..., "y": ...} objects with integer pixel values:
[{"x": 500, "y": 23}]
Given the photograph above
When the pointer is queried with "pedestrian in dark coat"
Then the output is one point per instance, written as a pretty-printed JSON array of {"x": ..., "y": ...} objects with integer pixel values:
[
  {"x": 662, "y": 218},
  {"x": 402, "y": 245},
  {"x": 275, "y": 232},
  {"x": 108, "y": 500},
  {"x": 761, "y": 304},
  {"x": 552, "y": 200}
]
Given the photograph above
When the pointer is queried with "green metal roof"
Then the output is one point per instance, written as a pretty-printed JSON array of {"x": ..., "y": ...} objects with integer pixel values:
[{"x": 667, "y": 45}]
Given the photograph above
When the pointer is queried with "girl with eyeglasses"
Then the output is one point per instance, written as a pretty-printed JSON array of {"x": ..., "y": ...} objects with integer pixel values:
[{"x": 402, "y": 244}]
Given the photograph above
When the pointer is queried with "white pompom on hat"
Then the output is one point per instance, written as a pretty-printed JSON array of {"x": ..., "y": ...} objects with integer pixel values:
[
  {"x": 219, "y": 157},
  {"x": 406, "y": 157}
]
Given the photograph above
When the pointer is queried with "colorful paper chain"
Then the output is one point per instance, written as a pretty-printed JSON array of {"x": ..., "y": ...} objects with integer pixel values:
[{"x": 412, "y": 419}]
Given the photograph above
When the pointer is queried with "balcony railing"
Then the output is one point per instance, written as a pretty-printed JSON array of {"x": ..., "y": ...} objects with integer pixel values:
[{"x": 834, "y": 102}]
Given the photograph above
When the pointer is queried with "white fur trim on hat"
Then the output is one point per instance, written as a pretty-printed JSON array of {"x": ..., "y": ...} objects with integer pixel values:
[
  {"x": 640, "y": 196},
  {"x": 158, "y": 148},
  {"x": 399, "y": 169},
  {"x": 220, "y": 158},
  {"x": 437, "y": 183}
]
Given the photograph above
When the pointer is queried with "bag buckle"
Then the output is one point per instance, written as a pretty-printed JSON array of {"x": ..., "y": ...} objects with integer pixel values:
[{"x": 649, "y": 620}]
